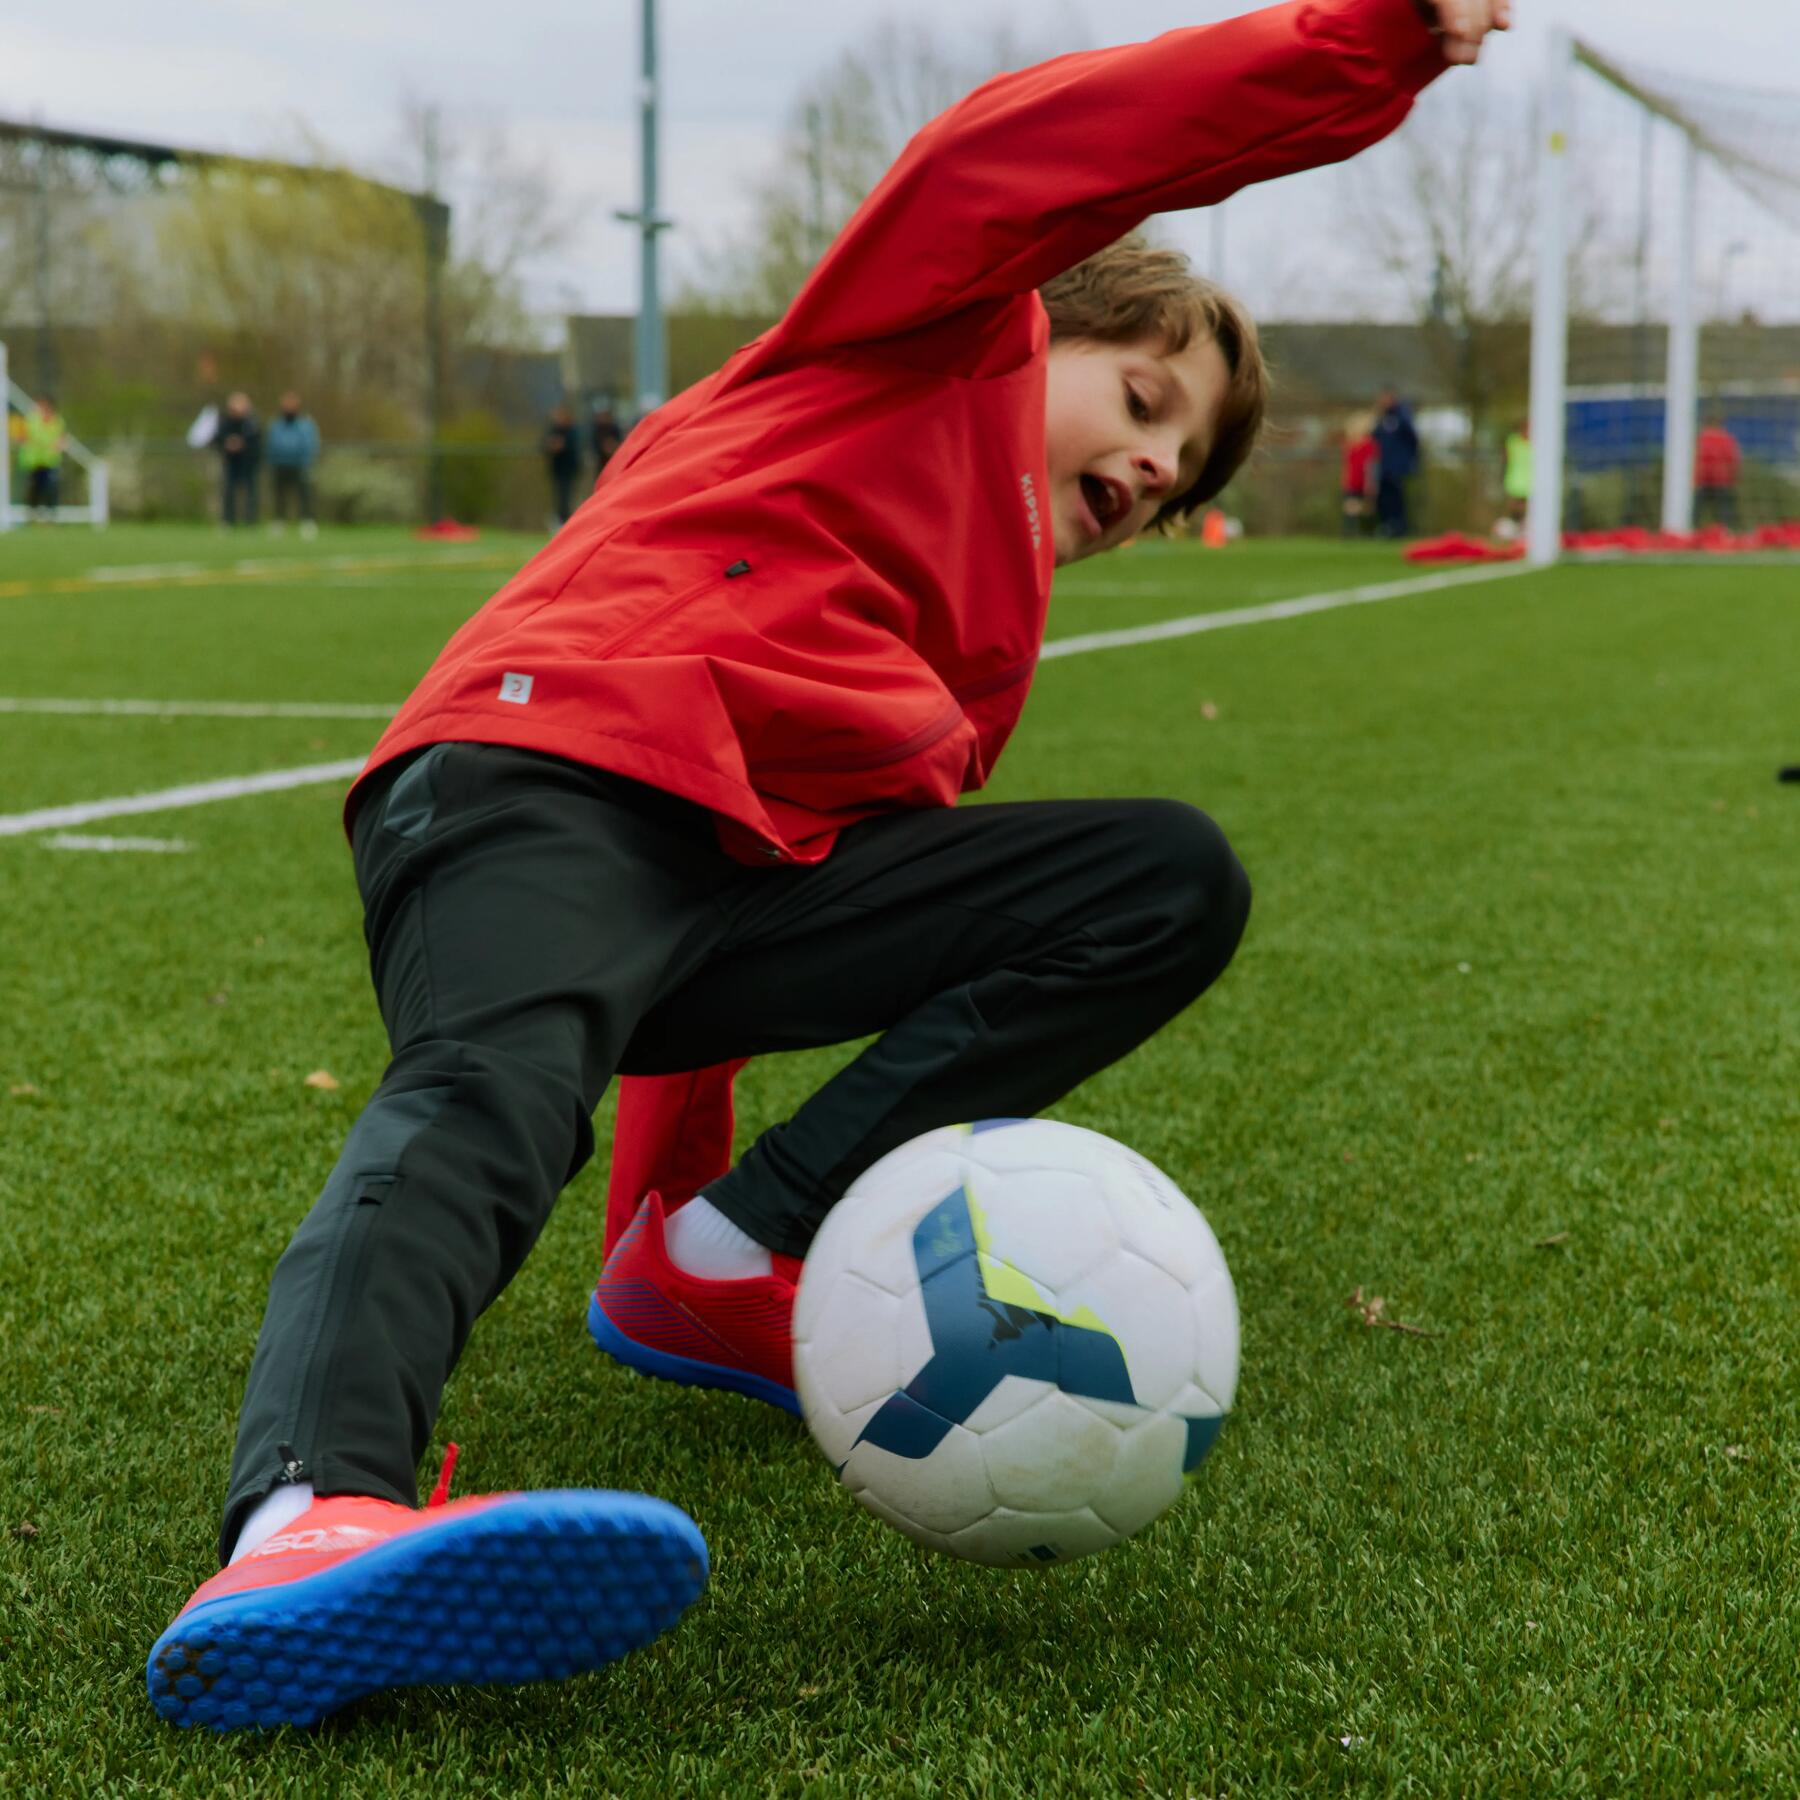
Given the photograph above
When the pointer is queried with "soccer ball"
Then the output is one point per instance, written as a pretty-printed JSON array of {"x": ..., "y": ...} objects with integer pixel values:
[{"x": 1014, "y": 1340}]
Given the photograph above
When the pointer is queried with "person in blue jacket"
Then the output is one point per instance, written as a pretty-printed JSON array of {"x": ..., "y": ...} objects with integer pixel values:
[
  {"x": 292, "y": 447},
  {"x": 1397, "y": 461}
]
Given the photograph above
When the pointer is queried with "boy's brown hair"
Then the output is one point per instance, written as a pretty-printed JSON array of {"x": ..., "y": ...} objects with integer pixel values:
[{"x": 1134, "y": 290}]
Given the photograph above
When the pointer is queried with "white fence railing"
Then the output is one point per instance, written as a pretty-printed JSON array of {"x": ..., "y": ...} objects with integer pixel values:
[{"x": 94, "y": 511}]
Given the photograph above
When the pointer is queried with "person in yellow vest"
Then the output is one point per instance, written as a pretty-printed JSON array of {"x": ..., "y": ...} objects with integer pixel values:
[
  {"x": 41, "y": 449},
  {"x": 1515, "y": 482}
]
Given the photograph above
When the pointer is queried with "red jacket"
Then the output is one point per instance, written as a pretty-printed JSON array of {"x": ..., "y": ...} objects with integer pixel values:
[
  {"x": 1359, "y": 464},
  {"x": 812, "y": 588},
  {"x": 1717, "y": 458}
]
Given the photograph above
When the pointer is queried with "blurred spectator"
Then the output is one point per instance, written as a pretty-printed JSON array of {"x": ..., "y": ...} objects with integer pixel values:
[
  {"x": 293, "y": 447},
  {"x": 562, "y": 453},
  {"x": 1360, "y": 457},
  {"x": 1717, "y": 464},
  {"x": 1397, "y": 461},
  {"x": 239, "y": 444},
  {"x": 41, "y": 447},
  {"x": 1516, "y": 479},
  {"x": 607, "y": 436}
]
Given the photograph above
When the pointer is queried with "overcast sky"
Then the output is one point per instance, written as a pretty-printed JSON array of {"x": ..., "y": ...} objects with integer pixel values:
[{"x": 241, "y": 74}]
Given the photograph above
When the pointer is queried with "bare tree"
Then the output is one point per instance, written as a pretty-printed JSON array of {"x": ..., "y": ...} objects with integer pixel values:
[
  {"x": 52, "y": 207},
  {"x": 846, "y": 127},
  {"x": 307, "y": 278},
  {"x": 1445, "y": 211},
  {"x": 505, "y": 213},
  {"x": 303, "y": 273}
]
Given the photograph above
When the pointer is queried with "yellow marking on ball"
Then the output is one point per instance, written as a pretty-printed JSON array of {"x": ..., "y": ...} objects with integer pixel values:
[{"x": 1011, "y": 1286}]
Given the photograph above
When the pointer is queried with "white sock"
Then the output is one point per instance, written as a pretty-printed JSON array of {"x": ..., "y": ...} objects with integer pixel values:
[
  {"x": 282, "y": 1506},
  {"x": 702, "y": 1241}
]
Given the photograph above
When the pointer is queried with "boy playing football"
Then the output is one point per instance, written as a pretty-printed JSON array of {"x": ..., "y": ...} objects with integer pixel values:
[{"x": 682, "y": 793}]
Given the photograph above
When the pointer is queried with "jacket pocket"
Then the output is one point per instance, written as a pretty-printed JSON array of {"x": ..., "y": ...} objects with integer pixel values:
[
  {"x": 874, "y": 753},
  {"x": 959, "y": 707}
]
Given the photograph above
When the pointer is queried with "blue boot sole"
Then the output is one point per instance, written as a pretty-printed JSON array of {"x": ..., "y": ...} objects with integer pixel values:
[
  {"x": 685, "y": 1369},
  {"x": 532, "y": 1588}
]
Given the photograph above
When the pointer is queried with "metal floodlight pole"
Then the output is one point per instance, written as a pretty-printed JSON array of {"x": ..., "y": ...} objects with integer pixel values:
[
  {"x": 434, "y": 218},
  {"x": 1550, "y": 308},
  {"x": 1681, "y": 410},
  {"x": 652, "y": 353}
]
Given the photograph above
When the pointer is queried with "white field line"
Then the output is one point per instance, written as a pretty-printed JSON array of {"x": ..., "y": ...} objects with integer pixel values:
[
  {"x": 69, "y": 840},
  {"x": 198, "y": 793},
  {"x": 234, "y": 787},
  {"x": 1069, "y": 646},
  {"x": 146, "y": 571},
  {"x": 202, "y": 709},
  {"x": 1279, "y": 609}
]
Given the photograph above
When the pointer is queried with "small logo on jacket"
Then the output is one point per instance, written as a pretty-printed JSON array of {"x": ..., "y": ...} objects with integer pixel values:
[
  {"x": 516, "y": 688},
  {"x": 1028, "y": 488}
]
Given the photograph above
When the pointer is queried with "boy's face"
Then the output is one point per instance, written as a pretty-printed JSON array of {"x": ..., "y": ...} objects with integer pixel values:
[{"x": 1126, "y": 427}]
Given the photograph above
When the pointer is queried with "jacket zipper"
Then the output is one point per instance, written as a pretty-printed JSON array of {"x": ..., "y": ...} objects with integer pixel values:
[
  {"x": 922, "y": 739},
  {"x": 657, "y": 614}
]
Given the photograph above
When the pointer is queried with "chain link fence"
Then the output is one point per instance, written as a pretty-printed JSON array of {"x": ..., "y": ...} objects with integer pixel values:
[
  {"x": 1288, "y": 489},
  {"x": 499, "y": 484}
]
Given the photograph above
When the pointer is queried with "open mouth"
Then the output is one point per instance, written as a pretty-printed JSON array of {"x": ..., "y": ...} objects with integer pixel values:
[{"x": 1105, "y": 501}]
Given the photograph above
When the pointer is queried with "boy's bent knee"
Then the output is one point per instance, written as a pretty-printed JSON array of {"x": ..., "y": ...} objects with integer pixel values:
[
  {"x": 1194, "y": 864},
  {"x": 1200, "y": 884}
]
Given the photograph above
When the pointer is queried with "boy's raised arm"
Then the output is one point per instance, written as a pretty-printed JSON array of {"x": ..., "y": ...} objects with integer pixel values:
[{"x": 1036, "y": 170}]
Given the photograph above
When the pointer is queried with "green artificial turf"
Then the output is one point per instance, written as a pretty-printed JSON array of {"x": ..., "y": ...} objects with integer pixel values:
[{"x": 1511, "y": 1043}]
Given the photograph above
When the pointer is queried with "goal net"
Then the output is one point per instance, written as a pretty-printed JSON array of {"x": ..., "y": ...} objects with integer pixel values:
[{"x": 1665, "y": 389}]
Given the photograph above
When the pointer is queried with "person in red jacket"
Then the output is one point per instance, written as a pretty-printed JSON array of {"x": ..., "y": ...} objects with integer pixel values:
[
  {"x": 1718, "y": 461},
  {"x": 1361, "y": 455},
  {"x": 682, "y": 793}
]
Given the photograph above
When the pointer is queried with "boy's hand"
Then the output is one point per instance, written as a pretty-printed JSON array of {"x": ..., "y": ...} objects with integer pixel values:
[{"x": 1462, "y": 24}]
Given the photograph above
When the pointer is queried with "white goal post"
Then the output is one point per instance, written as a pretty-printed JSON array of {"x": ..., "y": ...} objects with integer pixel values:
[
  {"x": 95, "y": 510},
  {"x": 1665, "y": 351}
]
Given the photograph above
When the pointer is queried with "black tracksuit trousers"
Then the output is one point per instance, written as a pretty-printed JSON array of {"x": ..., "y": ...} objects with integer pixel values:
[{"x": 536, "y": 926}]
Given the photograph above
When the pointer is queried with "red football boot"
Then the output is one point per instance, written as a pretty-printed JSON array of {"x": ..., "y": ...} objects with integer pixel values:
[
  {"x": 359, "y": 1594},
  {"x": 654, "y": 1317}
]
